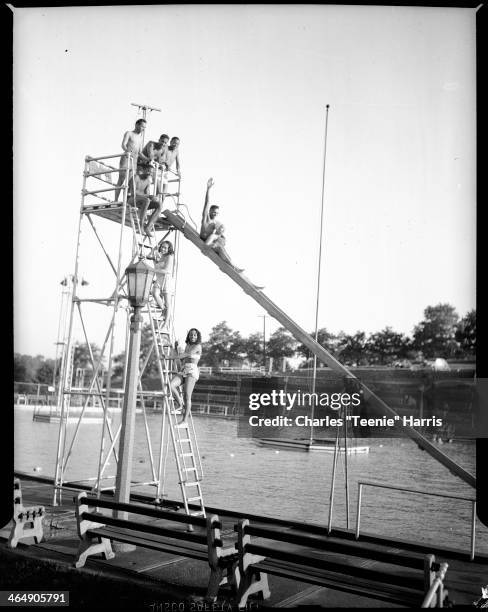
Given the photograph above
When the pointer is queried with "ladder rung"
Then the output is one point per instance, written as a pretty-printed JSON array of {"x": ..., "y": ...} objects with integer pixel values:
[
  {"x": 190, "y": 469},
  {"x": 185, "y": 440},
  {"x": 192, "y": 484},
  {"x": 187, "y": 454},
  {"x": 191, "y": 499},
  {"x": 199, "y": 513}
]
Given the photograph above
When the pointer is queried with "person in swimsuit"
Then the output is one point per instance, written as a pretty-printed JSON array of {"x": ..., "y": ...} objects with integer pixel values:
[
  {"x": 212, "y": 230},
  {"x": 168, "y": 157},
  {"x": 189, "y": 373},
  {"x": 143, "y": 200},
  {"x": 155, "y": 151},
  {"x": 131, "y": 143},
  {"x": 162, "y": 286}
]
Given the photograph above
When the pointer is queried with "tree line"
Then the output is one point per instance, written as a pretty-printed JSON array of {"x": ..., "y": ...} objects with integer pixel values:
[{"x": 441, "y": 333}]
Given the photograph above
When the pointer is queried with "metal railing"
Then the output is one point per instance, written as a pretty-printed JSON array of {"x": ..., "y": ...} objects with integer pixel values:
[
  {"x": 362, "y": 484},
  {"x": 237, "y": 370}
]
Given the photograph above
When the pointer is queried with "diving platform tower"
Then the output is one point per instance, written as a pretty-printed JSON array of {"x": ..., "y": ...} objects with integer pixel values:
[{"x": 110, "y": 234}]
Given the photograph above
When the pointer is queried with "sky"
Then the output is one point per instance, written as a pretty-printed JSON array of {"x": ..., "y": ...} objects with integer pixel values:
[{"x": 245, "y": 88}]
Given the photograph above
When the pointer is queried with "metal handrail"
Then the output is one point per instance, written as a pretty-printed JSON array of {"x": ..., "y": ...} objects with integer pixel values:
[{"x": 362, "y": 484}]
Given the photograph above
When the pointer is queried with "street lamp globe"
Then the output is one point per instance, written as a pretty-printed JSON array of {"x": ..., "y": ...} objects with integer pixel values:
[{"x": 139, "y": 278}]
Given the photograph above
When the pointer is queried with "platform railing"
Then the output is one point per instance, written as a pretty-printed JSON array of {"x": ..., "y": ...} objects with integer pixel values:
[{"x": 381, "y": 485}]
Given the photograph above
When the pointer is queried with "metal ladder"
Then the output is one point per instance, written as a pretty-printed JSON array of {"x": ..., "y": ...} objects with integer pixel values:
[{"x": 185, "y": 445}]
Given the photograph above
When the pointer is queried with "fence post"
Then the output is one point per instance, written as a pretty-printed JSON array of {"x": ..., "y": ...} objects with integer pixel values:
[
  {"x": 358, "y": 514},
  {"x": 473, "y": 531}
]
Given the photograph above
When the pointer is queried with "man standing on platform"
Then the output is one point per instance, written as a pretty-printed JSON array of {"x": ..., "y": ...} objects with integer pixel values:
[
  {"x": 172, "y": 155},
  {"x": 131, "y": 143}
]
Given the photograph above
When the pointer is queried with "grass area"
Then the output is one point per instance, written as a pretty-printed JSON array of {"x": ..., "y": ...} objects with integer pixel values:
[{"x": 87, "y": 590}]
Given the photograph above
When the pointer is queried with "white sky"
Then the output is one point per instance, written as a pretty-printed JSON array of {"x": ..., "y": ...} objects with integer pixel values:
[{"x": 245, "y": 89}]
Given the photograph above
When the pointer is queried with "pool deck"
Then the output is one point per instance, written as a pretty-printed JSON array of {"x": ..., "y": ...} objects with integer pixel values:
[{"x": 182, "y": 582}]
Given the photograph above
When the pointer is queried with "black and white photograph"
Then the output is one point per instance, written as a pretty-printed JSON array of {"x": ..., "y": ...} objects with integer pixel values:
[{"x": 245, "y": 308}]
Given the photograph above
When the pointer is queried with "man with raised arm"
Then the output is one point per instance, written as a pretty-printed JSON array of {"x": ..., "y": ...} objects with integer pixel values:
[
  {"x": 212, "y": 230},
  {"x": 131, "y": 143}
]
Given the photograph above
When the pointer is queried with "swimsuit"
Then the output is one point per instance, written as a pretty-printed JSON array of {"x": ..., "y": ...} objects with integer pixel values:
[{"x": 190, "y": 369}]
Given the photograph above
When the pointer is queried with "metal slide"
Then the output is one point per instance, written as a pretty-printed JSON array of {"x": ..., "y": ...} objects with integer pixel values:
[{"x": 322, "y": 354}]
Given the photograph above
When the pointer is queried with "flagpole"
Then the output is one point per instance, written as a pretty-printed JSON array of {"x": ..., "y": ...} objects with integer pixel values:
[{"x": 319, "y": 268}]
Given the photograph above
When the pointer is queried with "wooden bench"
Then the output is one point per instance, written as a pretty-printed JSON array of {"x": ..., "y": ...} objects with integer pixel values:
[
  {"x": 27, "y": 521},
  {"x": 195, "y": 537},
  {"x": 344, "y": 565}
]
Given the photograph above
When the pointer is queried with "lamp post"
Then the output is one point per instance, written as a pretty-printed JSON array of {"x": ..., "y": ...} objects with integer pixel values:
[{"x": 139, "y": 279}]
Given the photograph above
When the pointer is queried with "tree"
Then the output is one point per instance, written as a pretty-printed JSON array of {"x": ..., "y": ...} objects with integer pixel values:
[
  {"x": 151, "y": 370},
  {"x": 466, "y": 334},
  {"x": 20, "y": 368},
  {"x": 324, "y": 338},
  {"x": 81, "y": 356},
  {"x": 45, "y": 372},
  {"x": 435, "y": 336},
  {"x": 26, "y": 366},
  {"x": 118, "y": 364},
  {"x": 223, "y": 345},
  {"x": 351, "y": 349},
  {"x": 281, "y": 344},
  {"x": 253, "y": 348},
  {"x": 386, "y": 346}
]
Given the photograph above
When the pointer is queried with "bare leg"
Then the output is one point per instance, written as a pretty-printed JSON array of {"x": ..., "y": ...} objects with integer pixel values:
[
  {"x": 153, "y": 218},
  {"x": 156, "y": 292},
  {"x": 188, "y": 386},
  {"x": 225, "y": 256},
  {"x": 167, "y": 303},
  {"x": 175, "y": 390},
  {"x": 144, "y": 204},
  {"x": 120, "y": 182}
]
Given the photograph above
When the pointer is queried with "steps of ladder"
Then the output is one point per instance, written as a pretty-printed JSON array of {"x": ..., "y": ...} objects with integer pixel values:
[
  {"x": 186, "y": 454},
  {"x": 190, "y": 469},
  {"x": 191, "y": 484},
  {"x": 191, "y": 499},
  {"x": 199, "y": 513}
]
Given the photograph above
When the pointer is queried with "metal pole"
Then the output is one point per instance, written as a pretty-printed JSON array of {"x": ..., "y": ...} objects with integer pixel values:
[
  {"x": 358, "y": 516},
  {"x": 319, "y": 266},
  {"x": 62, "y": 399},
  {"x": 473, "y": 531},
  {"x": 264, "y": 341},
  {"x": 145, "y": 108},
  {"x": 332, "y": 487},
  {"x": 345, "y": 468},
  {"x": 126, "y": 444}
]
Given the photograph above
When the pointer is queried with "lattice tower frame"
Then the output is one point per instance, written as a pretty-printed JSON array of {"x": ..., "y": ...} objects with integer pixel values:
[{"x": 95, "y": 206}]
